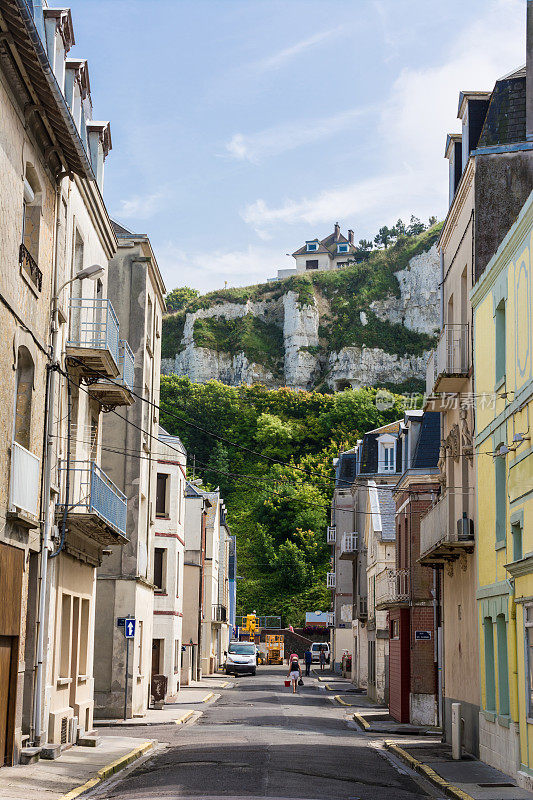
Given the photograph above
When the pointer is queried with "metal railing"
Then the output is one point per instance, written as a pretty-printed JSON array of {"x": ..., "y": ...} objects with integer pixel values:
[
  {"x": 392, "y": 586},
  {"x": 24, "y": 480},
  {"x": 262, "y": 622},
  {"x": 331, "y": 534},
  {"x": 94, "y": 325},
  {"x": 331, "y": 580},
  {"x": 431, "y": 373},
  {"x": 349, "y": 543},
  {"x": 453, "y": 350},
  {"x": 219, "y": 613},
  {"x": 92, "y": 492},
  {"x": 29, "y": 264},
  {"x": 435, "y": 526},
  {"x": 126, "y": 364}
]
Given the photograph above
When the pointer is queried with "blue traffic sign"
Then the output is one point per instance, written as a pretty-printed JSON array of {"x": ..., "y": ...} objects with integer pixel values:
[{"x": 129, "y": 628}]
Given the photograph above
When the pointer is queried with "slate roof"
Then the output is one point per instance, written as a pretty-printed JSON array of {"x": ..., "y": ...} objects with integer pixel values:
[
  {"x": 387, "y": 508},
  {"x": 345, "y": 470},
  {"x": 123, "y": 233},
  {"x": 327, "y": 245},
  {"x": 426, "y": 454},
  {"x": 369, "y": 448},
  {"x": 505, "y": 120}
]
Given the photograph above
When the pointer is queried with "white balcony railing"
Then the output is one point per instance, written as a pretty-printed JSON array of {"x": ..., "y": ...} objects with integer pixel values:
[
  {"x": 392, "y": 586},
  {"x": 442, "y": 534},
  {"x": 94, "y": 325},
  {"x": 92, "y": 492},
  {"x": 24, "y": 481},
  {"x": 332, "y": 534},
  {"x": 331, "y": 580},
  {"x": 349, "y": 543},
  {"x": 449, "y": 365}
]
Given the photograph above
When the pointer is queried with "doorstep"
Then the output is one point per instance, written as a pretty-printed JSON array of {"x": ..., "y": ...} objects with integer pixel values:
[
  {"x": 467, "y": 779},
  {"x": 76, "y": 770}
]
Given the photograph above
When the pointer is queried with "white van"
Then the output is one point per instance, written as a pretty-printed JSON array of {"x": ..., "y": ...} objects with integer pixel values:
[
  {"x": 316, "y": 647},
  {"x": 241, "y": 658}
]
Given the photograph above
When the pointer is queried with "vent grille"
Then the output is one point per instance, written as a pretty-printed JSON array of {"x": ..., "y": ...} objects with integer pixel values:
[{"x": 64, "y": 730}]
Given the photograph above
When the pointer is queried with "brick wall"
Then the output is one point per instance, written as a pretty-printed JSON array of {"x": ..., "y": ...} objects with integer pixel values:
[
  {"x": 399, "y": 666},
  {"x": 423, "y": 673}
]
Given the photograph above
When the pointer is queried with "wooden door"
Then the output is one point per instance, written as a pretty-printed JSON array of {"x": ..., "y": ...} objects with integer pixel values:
[
  {"x": 156, "y": 656},
  {"x": 5, "y": 696}
]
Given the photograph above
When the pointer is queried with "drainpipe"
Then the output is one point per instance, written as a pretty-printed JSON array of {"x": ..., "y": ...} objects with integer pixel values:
[{"x": 36, "y": 727}]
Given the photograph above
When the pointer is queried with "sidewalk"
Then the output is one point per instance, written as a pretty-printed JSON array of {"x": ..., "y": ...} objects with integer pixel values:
[
  {"x": 76, "y": 770},
  {"x": 190, "y": 700},
  {"x": 468, "y": 779}
]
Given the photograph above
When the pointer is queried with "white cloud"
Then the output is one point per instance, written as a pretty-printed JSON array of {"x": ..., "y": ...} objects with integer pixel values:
[
  {"x": 141, "y": 206},
  {"x": 282, "y": 57},
  {"x": 277, "y": 139},
  {"x": 410, "y": 174},
  {"x": 239, "y": 267}
]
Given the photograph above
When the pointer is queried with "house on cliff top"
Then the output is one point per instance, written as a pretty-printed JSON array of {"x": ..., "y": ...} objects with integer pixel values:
[{"x": 330, "y": 253}]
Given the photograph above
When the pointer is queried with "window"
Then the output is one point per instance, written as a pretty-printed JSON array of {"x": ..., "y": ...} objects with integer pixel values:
[
  {"x": 149, "y": 323},
  {"x": 516, "y": 530},
  {"x": 503, "y": 665},
  {"x": 24, "y": 389},
  {"x": 177, "y": 574},
  {"x": 388, "y": 458},
  {"x": 161, "y": 495},
  {"x": 528, "y": 623},
  {"x": 395, "y": 629},
  {"x": 342, "y": 248},
  {"x": 500, "y": 469},
  {"x": 177, "y": 655},
  {"x": 84, "y": 636},
  {"x": 311, "y": 264},
  {"x": 64, "y": 658},
  {"x": 312, "y": 247},
  {"x": 139, "y": 637},
  {"x": 499, "y": 322},
  {"x": 159, "y": 568},
  {"x": 31, "y": 225},
  {"x": 490, "y": 686}
]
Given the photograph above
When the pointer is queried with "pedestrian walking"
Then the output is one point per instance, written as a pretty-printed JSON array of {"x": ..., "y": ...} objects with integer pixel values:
[
  {"x": 322, "y": 658},
  {"x": 308, "y": 657},
  {"x": 292, "y": 657},
  {"x": 295, "y": 673}
]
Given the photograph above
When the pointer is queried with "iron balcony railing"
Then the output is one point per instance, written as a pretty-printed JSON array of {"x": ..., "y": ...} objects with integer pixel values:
[
  {"x": 331, "y": 580},
  {"x": 453, "y": 350},
  {"x": 349, "y": 543},
  {"x": 29, "y": 264},
  {"x": 392, "y": 586},
  {"x": 219, "y": 614},
  {"x": 331, "y": 534},
  {"x": 126, "y": 364},
  {"x": 262, "y": 622},
  {"x": 94, "y": 325},
  {"x": 431, "y": 373},
  {"x": 24, "y": 481},
  {"x": 92, "y": 492}
]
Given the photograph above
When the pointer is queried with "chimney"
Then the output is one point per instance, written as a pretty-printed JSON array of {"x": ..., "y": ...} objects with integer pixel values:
[
  {"x": 529, "y": 71},
  {"x": 337, "y": 231},
  {"x": 350, "y": 236}
]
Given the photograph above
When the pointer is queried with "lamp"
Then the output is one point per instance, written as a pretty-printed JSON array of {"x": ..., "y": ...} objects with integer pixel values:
[{"x": 91, "y": 272}]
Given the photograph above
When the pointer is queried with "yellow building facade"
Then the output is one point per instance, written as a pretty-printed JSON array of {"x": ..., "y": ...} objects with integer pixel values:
[{"x": 502, "y": 301}]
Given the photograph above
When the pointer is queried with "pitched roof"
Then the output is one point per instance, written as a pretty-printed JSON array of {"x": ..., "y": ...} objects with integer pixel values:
[
  {"x": 123, "y": 233},
  {"x": 505, "y": 120},
  {"x": 426, "y": 453}
]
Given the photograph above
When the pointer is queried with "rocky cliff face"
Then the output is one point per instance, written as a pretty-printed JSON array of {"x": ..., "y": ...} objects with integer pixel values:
[{"x": 366, "y": 325}]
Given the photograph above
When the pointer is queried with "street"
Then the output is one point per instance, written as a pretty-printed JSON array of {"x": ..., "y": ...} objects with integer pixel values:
[{"x": 259, "y": 740}]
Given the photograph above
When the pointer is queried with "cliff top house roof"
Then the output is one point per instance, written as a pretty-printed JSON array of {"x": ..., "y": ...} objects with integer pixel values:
[{"x": 329, "y": 245}]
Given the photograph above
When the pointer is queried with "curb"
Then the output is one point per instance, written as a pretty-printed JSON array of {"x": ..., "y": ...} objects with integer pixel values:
[
  {"x": 342, "y": 702},
  {"x": 207, "y": 697},
  {"x": 448, "y": 788},
  {"x": 184, "y": 717},
  {"x": 362, "y": 722},
  {"x": 109, "y": 769}
]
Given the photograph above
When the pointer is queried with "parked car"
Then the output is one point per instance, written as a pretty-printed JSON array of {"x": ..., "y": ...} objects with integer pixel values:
[
  {"x": 241, "y": 658},
  {"x": 316, "y": 647}
]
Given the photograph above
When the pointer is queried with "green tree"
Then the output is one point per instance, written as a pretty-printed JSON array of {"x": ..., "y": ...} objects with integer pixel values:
[
  {"x": 383, "y": 237},
  {"x": 415, "y": 226},
  {"x": 177, "y": 299},
  {"x": 218, "y": 469},
  {"x": 275, "y": 436}
]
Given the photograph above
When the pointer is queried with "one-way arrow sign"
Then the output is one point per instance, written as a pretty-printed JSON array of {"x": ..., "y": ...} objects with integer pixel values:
[{"x": 129, "y": 629}]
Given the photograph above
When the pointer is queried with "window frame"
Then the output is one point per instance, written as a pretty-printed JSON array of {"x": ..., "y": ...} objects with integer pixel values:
[
  {"x": 528, "y": 662},
  {"x": 343, "y": 247},
  {"x": 311, "y": 247},
  {"x": 165, "y": 513}
]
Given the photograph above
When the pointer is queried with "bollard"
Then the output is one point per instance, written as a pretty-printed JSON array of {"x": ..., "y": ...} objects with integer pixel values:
[{"x": 457, "y": 744}]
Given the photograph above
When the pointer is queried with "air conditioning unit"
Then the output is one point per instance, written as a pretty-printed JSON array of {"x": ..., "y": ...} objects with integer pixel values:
[{"x": 465, "y": 528}]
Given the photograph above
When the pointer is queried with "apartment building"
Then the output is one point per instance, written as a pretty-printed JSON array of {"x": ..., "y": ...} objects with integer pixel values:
[
  {"x": 503, "y": 330},
  {"x": 407, "y": 590},
  {"x": 492, "y": 152},
  {"x": 168, "y": 559},
  {"x": 197, "y": 504},
  {"x": 125, "y": 585}
]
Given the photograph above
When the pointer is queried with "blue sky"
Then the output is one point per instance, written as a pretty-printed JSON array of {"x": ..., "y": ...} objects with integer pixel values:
[{"x": 241, "y": 128}]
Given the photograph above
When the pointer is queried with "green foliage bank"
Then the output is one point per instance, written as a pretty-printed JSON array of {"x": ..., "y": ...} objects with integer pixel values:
[{"x": 277, "y": 490}]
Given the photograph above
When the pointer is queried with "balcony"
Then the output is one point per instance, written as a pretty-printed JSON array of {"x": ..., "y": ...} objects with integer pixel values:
[
  {"x": 392, "y": 588},
  {"x": 219, "y": 613},
  {"x": 96, "y": 507},
  {"x": 348, "y": 546},
  {"x": 111, "y": 394},
  {"x": 448, "y": 367},
  {"x": 443, "y": 538},
  {"x": 24, "y": 487},
  {"x": 29, "y": 266},
  {"x": 331, "y": 534},
  {"x": 331, "y": 581},
  {"x": 93, "y": 344}
]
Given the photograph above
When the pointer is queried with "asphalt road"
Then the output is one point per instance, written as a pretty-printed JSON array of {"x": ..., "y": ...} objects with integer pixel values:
[{"x": 259, "y": 740}]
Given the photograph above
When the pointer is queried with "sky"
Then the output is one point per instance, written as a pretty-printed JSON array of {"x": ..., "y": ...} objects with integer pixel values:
[{"x": 242, "y": 128}]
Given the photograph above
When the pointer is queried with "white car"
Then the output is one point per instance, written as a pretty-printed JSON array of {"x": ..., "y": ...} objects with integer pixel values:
[
  {"x": 241, "y": 658},
  {"x": 316, "y": 647}
]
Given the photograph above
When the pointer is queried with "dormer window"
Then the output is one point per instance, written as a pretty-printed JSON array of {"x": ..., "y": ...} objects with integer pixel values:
[
  {"x": 386, "y": 454},
  {"x": 312, "y": 247},
  {"x": 342, "y": 248}
]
